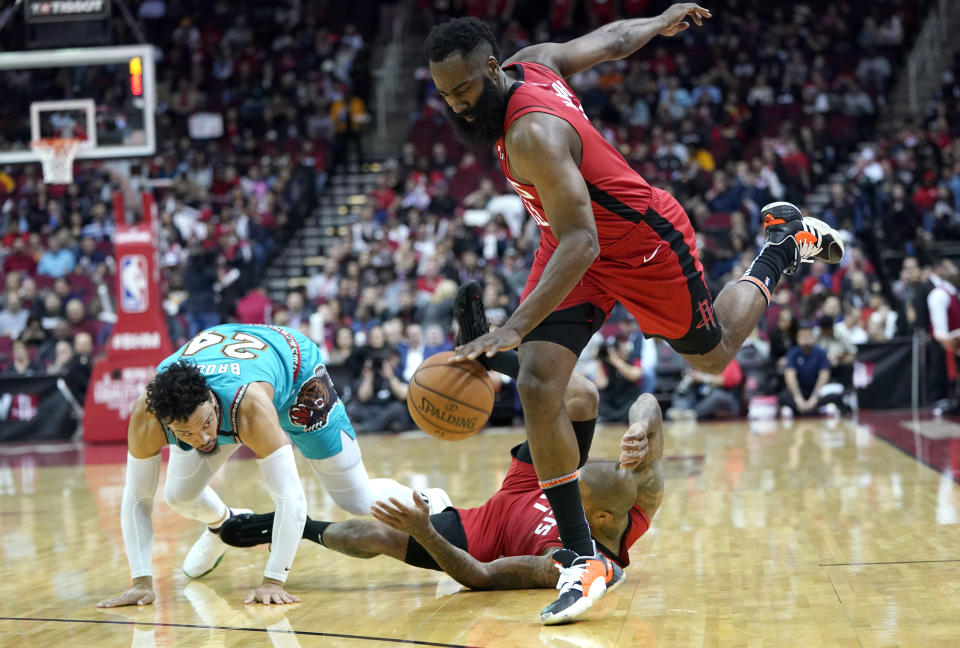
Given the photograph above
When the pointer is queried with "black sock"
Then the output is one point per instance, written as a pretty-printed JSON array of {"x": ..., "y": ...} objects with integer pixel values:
[
  {"x": 568, "y": 510},
  {"x": 313, "y": 530},
  {"x": 765, "y": 271},
  {"x": 584, "y": 431},
  {"x": 505, "y": 362}
]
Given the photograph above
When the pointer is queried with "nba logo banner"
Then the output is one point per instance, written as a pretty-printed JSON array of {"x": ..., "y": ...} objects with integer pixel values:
[
  {"x": 134, "y": 287},
  {"x": 139, "y": 339}
]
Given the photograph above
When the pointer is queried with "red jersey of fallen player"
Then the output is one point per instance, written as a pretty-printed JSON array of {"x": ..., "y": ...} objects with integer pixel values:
[{"x": 518, "y": 521}]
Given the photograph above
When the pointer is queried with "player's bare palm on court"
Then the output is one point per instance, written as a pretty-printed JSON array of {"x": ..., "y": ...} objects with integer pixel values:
[
  {"x": 501, "y": 339},
  {"x": 676, "y": 15},
  {"x": 270, "y": 592},
  {"x": 139, "y": 594}
]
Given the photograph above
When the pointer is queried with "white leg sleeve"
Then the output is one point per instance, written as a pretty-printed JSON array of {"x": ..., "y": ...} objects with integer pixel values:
[
  {"x": 279, "y": 470},
  {"x": 345, "y": 479},
  {"x": 186, "y": 489},
  {"x": 136, "y": 509}
]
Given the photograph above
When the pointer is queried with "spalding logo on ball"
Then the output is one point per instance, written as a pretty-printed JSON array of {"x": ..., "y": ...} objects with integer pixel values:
[{"x": 450, "y": 400}]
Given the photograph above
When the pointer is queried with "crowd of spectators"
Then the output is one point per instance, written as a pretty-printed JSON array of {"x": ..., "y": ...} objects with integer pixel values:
[
  {"x": 289, "y": 82},
  {"x": 765, "y": 104}
]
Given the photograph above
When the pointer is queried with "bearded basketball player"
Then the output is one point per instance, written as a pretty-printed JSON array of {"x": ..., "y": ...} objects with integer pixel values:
[{"x": 606, "y": 236}]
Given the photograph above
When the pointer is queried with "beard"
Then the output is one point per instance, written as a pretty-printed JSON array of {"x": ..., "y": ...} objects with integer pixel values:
[{"x": 488, "y": 114}]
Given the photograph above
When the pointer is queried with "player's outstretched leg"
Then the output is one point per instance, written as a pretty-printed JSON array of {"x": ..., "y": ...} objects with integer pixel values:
[
  {"x": 357, "y": 538},
  {"x": 792, "y": 239}
]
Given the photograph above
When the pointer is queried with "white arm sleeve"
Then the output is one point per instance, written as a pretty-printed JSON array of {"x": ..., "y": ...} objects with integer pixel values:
[
  {"x": 279, "y": 470},
  {"x": 135, "y": 511}
]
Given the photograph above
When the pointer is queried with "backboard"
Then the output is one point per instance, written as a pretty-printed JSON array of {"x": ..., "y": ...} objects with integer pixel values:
[{"x": 105, "y": 96}]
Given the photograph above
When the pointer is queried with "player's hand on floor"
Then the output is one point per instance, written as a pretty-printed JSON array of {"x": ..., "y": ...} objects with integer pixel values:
[
  {"x": 634, "y": 446},
  {"x": 402, "y": 517},
  {"x": 501, "y": 339},
  {"x": 270, "y": 593},
  {"x": 137, "y": 595}
]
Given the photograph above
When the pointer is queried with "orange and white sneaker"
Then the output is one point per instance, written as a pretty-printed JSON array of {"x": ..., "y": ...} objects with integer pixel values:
[
  {"x": 783, "y": 221},
  {"x": 583, "y": 581}
]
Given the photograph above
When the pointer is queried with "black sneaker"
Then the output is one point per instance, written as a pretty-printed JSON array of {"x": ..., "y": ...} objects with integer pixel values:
[
  {"x": 469, "y": 312},
  {"x": 247, "y": 529},
  {"x": 583, "y": 581},
  {"x": 807, "y": 238}
]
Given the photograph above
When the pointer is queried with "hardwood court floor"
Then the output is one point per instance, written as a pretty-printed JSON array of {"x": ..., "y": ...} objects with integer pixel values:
[{"x": 810, "y": 535}]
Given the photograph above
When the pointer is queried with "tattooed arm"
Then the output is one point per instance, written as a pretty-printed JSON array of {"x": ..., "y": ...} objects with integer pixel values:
[
  {"x": 514, "y": 572},
  {"x": 650, "y": 488}
]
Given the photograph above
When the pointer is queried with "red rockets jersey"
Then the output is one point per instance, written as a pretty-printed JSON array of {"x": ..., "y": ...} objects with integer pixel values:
[
  {"x": 518, "y": 521},
  {"x": 618, "y": 195}
]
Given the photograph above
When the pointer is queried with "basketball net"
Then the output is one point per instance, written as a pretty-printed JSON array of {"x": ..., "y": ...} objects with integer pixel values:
[{"x": 56, "y": 155}]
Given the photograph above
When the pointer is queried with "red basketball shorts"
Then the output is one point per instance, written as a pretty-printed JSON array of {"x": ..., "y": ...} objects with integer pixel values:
[{"x": 654, "y": 272}]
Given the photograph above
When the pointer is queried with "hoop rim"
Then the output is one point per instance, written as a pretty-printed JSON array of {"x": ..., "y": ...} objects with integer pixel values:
[{"x": 56, "y": 144}]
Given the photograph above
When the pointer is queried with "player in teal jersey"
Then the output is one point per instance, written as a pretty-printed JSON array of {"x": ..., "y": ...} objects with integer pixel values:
[{"x": 260, "y": 386}]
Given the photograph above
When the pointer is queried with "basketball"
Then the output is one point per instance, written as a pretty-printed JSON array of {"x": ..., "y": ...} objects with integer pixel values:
[{"x": 450, "y": 400}]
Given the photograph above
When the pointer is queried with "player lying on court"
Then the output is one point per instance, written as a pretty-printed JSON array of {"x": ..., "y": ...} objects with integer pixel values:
[
  {"x": 510, "y": 542},
  {"x": 607, "y": 236},
  {"x": 259, "y": 386}
]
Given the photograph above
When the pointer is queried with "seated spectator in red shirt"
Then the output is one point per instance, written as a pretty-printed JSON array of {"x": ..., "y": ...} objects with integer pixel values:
[
  {"x": 255, "y": 307},
  {"x": 429, "y": 278},
  {"x": 19, "y": 260},
  {"x": 384, "y": 198},
  {"x": 13, "y": 234}
]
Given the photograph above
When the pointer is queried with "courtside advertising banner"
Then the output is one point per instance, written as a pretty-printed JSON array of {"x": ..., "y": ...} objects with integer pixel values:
[{"x": 139, "y": 340}]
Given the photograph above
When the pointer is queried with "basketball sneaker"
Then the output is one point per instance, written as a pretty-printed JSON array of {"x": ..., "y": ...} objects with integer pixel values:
[
  {"x": 783, "y": 221},
  {"x": 207, "y": 552},
  {"x": 247, "y": 529},
  {"x": 583, "y": 581},
  {"x": 436, "y": 498},
  {"x": 469, "y": 312}
]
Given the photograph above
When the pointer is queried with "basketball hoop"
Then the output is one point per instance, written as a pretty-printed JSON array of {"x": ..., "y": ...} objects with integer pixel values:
[{"x": 56, "y": 155}]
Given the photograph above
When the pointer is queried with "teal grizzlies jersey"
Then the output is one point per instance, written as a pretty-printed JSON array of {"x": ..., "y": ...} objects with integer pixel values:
[{"x": 232, "y": 356}]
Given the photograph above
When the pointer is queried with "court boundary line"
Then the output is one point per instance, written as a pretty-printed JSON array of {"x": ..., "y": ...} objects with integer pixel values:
[
  {"x": 890, "y": 562},
  {"x": 311, "y": 633}
]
